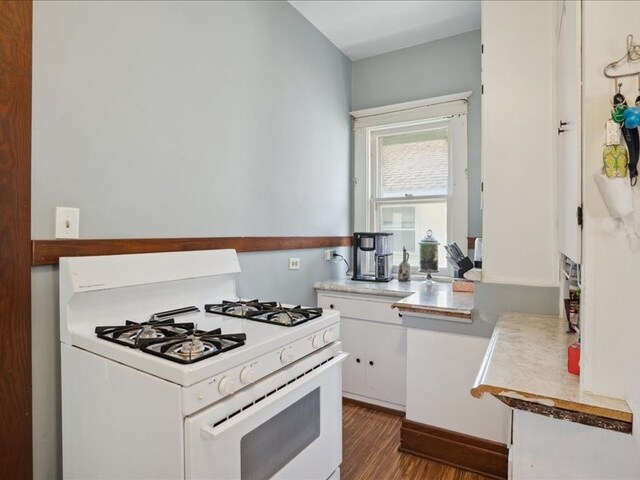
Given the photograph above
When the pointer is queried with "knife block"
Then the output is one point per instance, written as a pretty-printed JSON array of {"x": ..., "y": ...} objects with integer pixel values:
[{"x": 465, "y": 265}]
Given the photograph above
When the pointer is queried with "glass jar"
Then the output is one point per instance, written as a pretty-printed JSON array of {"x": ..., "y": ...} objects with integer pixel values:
[{"x": 429, "y": 253}]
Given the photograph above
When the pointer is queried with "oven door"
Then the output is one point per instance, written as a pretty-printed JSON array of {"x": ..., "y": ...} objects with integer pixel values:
[{"x": 289, "y": 427}]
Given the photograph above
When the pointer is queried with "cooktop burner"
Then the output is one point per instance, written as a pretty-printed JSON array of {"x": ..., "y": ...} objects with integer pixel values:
[
  {"x": 131, "y": 333},
  {"x": 240, "y": 308},
  {"x": 267, "y": 312},
  {"x": 178, "y": 342},
  {"x": 194, "y": 346},
  {"x": 286, "y": 316}
]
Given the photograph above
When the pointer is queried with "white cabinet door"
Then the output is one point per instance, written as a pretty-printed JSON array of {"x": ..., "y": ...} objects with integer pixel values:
[
  {"x": 386, "y": 363},
  {"x": 568, "y": 122},
  {"x": 354, "y": 372},
  {"x": 519, "y": 239},
  {"x": 376, "y": 369}
]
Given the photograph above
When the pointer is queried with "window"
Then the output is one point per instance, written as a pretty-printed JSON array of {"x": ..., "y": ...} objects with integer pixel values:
[{"x": 411, "y": 174}]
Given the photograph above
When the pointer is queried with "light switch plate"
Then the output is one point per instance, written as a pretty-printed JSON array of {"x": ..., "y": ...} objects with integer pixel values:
[{"x": 67, "y": 222}]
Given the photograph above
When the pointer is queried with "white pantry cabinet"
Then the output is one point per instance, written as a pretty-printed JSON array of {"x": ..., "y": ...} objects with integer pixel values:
[
  {"x": 518, "y": 200},
  {"x": 371, "y": 332}
]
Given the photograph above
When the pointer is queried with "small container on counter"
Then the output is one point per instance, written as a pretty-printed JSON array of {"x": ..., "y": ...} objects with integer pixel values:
[
  {"x": 404, "y": 269},
  {"x": 429, "y": 254},
  {"x": 573, "y": 358}
]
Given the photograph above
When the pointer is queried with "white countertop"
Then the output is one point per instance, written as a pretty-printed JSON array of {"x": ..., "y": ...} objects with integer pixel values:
[
  {"x": 527, "y": 360},
  {"x": 436, "y": 298}
]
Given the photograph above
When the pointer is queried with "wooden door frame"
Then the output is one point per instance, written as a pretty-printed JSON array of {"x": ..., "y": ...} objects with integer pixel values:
[{"x": 16, "y": 455}]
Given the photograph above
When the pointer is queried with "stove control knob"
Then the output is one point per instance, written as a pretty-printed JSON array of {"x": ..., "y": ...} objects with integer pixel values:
[
  {"x": 247, "y": 375},
  {"x": 227, "y": 386},
  {"x": 329, "y": 336},
  {"x": 286, "y": 357},
  {"x": 317, "y": 341}
]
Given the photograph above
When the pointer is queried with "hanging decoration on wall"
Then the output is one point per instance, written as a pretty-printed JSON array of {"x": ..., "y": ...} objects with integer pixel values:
[
  {"x": 632, "y": 56},
  {"x": 620, "y": 114},
  {"x": 620, "y": 158}
]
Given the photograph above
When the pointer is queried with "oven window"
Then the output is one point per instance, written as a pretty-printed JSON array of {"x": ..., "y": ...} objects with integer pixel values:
[{"x": 269, "y": 447}]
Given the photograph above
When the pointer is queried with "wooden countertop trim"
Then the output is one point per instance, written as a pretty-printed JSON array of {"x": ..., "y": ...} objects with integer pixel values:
[
  {"x": 551, "y": 402},
  {"x": 48, "y": 252},
  {"x": 424, "y": 309},
  {"x": 574, "y": 416}
]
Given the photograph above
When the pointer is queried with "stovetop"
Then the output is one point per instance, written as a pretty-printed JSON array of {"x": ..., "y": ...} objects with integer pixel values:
[
  {"x": 178, "y": 342},
  {"x": 189, "y": 335},
  {"x": 267, "y": 312},
  {"x": 185, "y": 343}
]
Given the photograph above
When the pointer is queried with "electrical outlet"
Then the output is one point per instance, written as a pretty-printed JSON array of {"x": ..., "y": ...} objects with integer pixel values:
[
  {"x": 67, "y": 222},
  {"x": 294, "y": 263},
  {"x": 328, "y": 254}
]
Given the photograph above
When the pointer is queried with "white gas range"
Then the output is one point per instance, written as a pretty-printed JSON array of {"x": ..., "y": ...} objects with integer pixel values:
[{"x": 156, "y": 386}]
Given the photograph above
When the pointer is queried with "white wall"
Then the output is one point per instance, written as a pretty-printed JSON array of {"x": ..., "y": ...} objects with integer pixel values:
[
  {"x": 611, "y": 263},
  {"x": 441, "y": 369},
  {"x": 549, "y": 449},
  {"x": 181, "y": 119}
]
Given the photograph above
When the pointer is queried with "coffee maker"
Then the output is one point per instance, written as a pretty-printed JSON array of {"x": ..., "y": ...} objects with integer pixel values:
[{"x": 372, "y": 256}]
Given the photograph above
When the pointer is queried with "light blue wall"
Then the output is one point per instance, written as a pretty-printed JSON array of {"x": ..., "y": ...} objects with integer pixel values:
[
  {"x": 181, "y": 119},
  {"x": 162, "y": 119},
  {"x": 451, "y": 65}
]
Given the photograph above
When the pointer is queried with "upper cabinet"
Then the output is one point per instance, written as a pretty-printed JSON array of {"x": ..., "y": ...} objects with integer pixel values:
[
  {"x": 518, "y": 135},
  {"x": 568, "y": 128}
]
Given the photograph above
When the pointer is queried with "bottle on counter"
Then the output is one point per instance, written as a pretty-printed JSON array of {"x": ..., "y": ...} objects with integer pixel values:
[{"x": 404, "y": 269}]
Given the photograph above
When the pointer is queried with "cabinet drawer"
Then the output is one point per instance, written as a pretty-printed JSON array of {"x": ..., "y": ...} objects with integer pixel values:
[{"x": 363, "y": 308}]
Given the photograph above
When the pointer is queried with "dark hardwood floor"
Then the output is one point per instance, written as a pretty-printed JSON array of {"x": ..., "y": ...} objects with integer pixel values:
[{"x": 370, "y": 450}]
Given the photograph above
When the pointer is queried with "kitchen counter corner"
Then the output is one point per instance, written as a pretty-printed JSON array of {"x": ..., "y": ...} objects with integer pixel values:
[
  {"x": 436, "y": 300},
  {"x": 526, "y": 367}
]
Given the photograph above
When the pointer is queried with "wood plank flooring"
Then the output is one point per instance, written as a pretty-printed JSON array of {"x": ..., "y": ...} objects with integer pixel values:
[{"x": 370, "y": 450}]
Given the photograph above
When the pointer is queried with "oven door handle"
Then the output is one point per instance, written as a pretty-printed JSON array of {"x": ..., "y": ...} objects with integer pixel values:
[{"x": 210, "y": 432}]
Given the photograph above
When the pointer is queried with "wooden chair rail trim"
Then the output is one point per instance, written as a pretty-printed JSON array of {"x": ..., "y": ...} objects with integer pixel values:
[{"x": 48, "y": 252}]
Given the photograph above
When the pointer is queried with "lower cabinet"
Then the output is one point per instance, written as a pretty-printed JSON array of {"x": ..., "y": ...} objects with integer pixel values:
[
  {"x": 377, "y": 364},
  {"x": 375, "y": 371}
]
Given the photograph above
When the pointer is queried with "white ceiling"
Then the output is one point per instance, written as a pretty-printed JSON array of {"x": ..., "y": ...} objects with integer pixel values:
[{"x": 362, "y": 29}]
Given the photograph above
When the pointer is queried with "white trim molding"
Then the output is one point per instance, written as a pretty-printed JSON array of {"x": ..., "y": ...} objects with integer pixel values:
[
  {"x": 450, "y": 110},
  {"x": 443, "y": 106}
]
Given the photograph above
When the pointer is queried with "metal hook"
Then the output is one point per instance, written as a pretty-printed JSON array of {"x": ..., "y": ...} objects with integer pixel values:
[{"x": 619, "y": 87}]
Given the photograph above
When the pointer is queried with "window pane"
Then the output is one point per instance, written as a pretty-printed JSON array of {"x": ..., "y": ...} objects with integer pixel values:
[
  {"x": 409, "y": 224},
  {"x": 415, "y": 163}
]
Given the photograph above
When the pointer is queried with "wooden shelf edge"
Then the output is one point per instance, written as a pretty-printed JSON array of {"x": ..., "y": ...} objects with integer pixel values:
[{"x": 48, "y": 252}]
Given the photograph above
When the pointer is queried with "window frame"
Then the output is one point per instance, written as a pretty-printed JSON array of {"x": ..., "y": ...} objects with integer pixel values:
[{"x": 371, "y": 124}]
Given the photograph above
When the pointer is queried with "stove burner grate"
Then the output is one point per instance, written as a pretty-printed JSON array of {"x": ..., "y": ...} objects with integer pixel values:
[
  {"x": 285, "y": 316},
  {"x": 239, "y": 309},
  {"x": 266, "y": 312},
  {"x": 194, "y": 346},
  {"x": 131, "y": 333}
]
